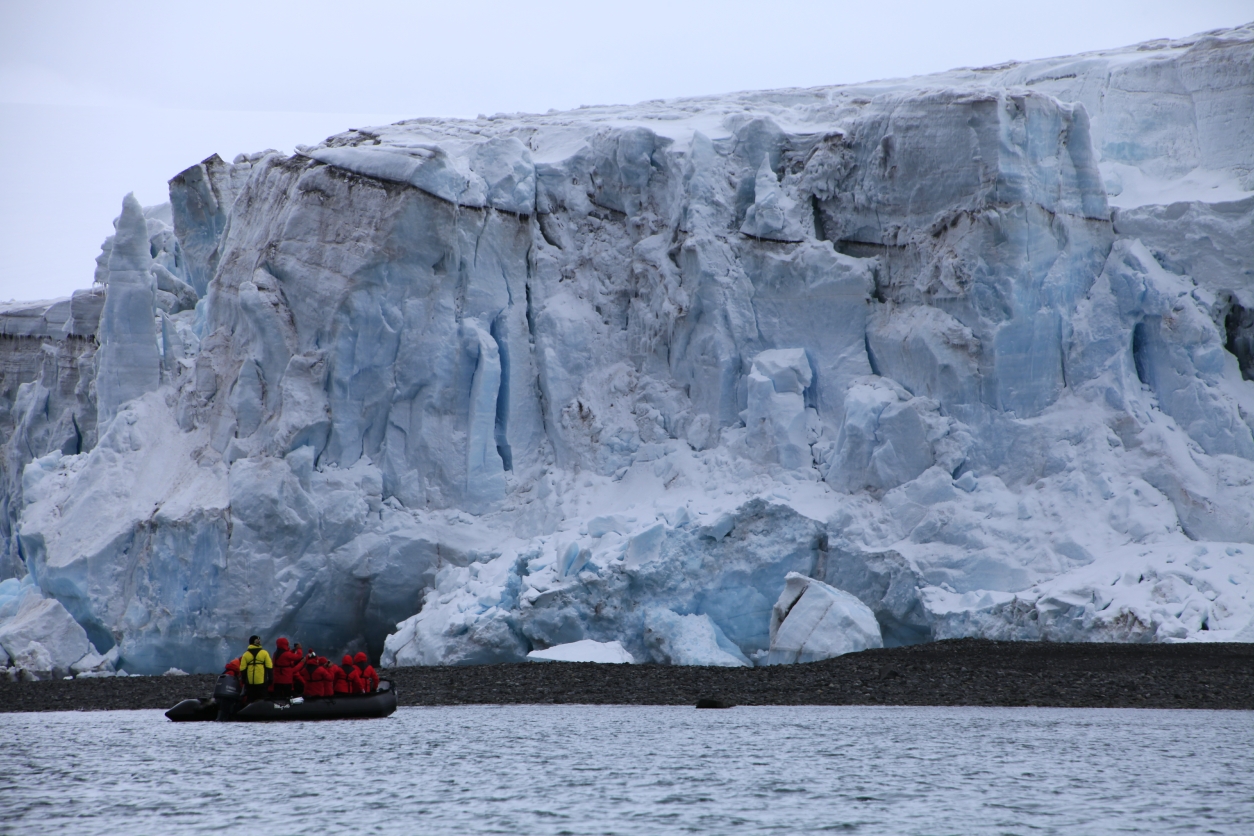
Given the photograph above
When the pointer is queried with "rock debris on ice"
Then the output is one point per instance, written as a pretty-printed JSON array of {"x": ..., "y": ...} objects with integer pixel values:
[{"x": 757, "y": 378}]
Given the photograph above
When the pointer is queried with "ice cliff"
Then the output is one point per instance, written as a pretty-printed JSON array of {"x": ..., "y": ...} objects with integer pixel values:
[{"x": 735, "y": 380}]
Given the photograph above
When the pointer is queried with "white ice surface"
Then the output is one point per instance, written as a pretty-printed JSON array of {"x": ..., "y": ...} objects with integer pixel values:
[
  {"x": 812, "y": 621},
  {"x": 587, "y": 650},
  {"x": 43, "y": 637}
]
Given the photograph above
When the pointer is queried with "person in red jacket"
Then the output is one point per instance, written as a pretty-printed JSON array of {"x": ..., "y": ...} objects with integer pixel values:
[
  {"x": 368, "y": 675},
  {"x": 300, "y": 676},
  {"x": 229, "y": 698},
  {"x": 305, "y": 675},
  {"x": 340, "y": 684},
  {"x": 356, "y": 685},
  {"x": 300, "y": 673},
  {"x": 321, "y": 680},
  {"x": 285, "y": 664},
  {"x": 232, "y": 667}
]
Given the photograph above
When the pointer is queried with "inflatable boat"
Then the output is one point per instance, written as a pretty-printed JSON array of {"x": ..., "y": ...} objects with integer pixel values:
[{"x": 343, "y": 707}]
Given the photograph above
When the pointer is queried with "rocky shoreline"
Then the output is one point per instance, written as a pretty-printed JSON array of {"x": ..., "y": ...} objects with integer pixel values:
[{"x": 958, "y": 672}]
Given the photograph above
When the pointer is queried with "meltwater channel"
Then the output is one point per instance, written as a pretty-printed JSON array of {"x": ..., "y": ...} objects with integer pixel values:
[{"x": 635, "y": 770}]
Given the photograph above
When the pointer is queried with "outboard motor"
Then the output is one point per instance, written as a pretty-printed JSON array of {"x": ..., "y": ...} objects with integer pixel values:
[{"x": 228, "y": 688}]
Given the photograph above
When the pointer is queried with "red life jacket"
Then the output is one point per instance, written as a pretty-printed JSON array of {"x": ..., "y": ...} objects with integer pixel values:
[
  {"x": 371, "y": 679},
  {"x": 341, "y": 685},
  {"x": 285, "y": 667},
  {"x": 300, "y": 679},
  {"x": 356, "y": 685},
  {"x": 322, "y": 681}
]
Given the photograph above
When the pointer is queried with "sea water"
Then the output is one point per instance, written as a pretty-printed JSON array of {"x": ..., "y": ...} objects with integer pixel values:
[{"x": 635, "y": 770}]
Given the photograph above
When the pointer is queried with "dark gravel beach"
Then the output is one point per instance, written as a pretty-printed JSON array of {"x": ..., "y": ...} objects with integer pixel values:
[{"x": 959, "y": 672}]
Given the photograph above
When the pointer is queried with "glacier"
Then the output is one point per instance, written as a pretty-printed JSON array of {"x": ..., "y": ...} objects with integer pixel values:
[{"x": 969, "y": 354}]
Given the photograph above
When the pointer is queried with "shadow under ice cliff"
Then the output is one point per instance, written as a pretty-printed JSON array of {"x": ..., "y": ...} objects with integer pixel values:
[{"x": 971, "y": 354}]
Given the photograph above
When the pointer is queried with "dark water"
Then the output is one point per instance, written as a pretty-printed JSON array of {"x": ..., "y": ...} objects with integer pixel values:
[{"x": 634, "y": 770}]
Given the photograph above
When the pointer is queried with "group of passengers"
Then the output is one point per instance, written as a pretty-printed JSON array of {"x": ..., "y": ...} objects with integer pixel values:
[{"x": 292, "y": 672}]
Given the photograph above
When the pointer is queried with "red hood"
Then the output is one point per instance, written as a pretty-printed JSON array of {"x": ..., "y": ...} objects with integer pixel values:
[
  {"x": 282, "y": 644},
  {"x": 361, "y": 659}
]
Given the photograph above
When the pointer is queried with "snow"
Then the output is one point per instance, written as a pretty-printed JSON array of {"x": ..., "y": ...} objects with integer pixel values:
[
  {"x": 708, "y": 380},
  {"x": 1208, "y": 242},
  {"x": 606, "y": 653},
  {"x": 1128, "y": 187}
]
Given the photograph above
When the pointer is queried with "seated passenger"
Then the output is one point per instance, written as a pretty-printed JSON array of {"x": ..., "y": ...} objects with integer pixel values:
[
  {"x": 300, "y": 673},
  {"x": 340, "y": 681},
  {"x": 368, "y": 675},
  {"x": 300, "y": 678},
  {"x": 322, "y": 679},
  {"x": 356, "y": 685},
  {"x": 232, "y": 667},
  {"x": 228, "y": 694}
]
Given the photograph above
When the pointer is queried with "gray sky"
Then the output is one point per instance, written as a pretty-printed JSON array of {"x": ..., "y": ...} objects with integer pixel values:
[{"x": 98, "y": 99}]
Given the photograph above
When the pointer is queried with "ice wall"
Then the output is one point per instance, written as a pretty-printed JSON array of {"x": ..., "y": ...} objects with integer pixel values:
[{"x": 968, "y": 347}]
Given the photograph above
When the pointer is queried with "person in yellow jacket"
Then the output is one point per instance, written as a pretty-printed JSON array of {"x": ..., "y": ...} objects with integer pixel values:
[{"x": 256, "y": 668}]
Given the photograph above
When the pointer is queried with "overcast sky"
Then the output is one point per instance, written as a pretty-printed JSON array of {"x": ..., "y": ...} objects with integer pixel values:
[{"x": 98, "y": 99}]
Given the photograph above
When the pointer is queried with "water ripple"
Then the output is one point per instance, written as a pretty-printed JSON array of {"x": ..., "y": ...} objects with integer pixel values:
[{"x": 636, "y": 770}]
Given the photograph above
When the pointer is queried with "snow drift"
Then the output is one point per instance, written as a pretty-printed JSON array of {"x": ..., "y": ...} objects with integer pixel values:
[{"x": 973, "y": 349}]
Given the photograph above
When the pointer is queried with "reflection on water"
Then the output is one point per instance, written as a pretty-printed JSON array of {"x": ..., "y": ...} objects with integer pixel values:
[{"x": 634, "y": 770}]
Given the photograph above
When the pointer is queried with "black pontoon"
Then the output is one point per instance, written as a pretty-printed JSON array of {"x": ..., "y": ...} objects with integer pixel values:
[{"x": 342, "y": 707}]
